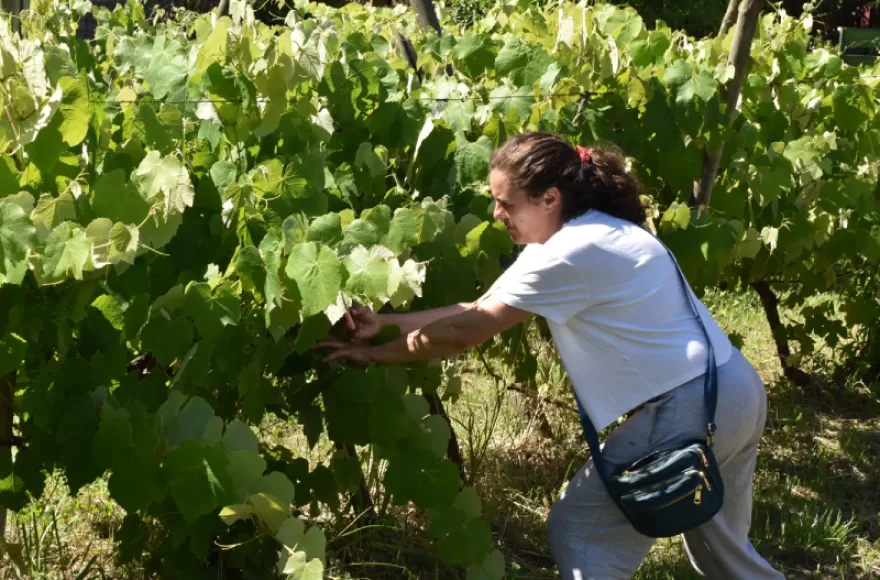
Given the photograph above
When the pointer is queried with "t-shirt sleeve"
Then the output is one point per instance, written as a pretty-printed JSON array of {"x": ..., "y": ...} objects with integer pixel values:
[{"x": 543, "y": 285}]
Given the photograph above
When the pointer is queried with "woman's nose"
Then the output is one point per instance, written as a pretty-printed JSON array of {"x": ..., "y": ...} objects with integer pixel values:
[{"x": 498, "y": 213}]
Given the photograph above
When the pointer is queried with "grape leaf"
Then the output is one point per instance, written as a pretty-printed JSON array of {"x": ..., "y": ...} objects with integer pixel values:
[
  {"x": 419, "y": 476},
  {"x": 112, "y": 243},
  {"x": 233, "y": 513},
  {"x": 318, "y": 275},
  {"x": 471, "y": 55},
  {"x": 155, "y": 135},
  {"x": 472, "y": 161},
  {"x": 12, "y": 352},
  {"x": 167, "y": 70},
  {"x": 74, "y": 110},
  {"x": 239, "y": 436},
  {"x": 361, "y": 232},
  {"x": 326, "y": 229},
  {"x": 436, "y": 433},
  {"x": 369, "y": 272},
  {"x": 523, "y": 64},
  {"x": 166, "y": 176},
  {"x": 411, "y": 277},
  {"x": 491, "y": 568},
  {"x": 51, "y": 211},
  {"x": 168, "y": 340},
  {"x": 677, "y": 74},
  {"x": 290, "y": 533},
  {"x": 118, "y": 200},
  {"x": 403, "y": 231},
  {"x": 702, "y": 85},
  {"x": 345, "y": 404},
  {"x": 366, "y": 157},
  {"x": 278, "y": 485},
  {"x": 111, "y": 309},
  {"x": 211, "y": 310},
  {"x": 127, "y": 445},
  {"x": 313, "y": 329},
  {"x": 466, "y": 544},
  {"x": 298, "y": 567},
  {"x": 8, "y": 177},
  {"x": 314, "y": 544},
  {"x": 269, "y": 510},
  {"x": 17, "y": 237},
  {"x": 66, "y": 253},
  {"x": 199, "y": 479},
  {"x": 246, "y": 470}
]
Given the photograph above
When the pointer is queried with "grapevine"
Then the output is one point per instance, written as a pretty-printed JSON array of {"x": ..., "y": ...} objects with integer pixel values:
[{"x": 188, "y": 204}]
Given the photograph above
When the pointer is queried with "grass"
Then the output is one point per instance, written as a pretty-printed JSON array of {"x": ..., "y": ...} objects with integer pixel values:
[
  {"x": 817, "y": 487},
  {"x": 64, "y": 537}
]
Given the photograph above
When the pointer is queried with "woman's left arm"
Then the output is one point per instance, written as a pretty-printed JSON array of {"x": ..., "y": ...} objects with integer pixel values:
[{"x": 441, "y": 338}]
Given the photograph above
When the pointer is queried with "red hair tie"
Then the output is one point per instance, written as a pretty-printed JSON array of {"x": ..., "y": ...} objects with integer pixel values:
[{"x": 584, "y": 153}]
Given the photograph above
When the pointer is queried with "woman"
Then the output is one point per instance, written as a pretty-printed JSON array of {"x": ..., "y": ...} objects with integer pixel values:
[{"x": 627, "y": 337}]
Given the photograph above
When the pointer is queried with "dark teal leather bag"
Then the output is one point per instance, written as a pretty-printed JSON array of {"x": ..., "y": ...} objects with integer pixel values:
[{"x": 671, "y": 490}]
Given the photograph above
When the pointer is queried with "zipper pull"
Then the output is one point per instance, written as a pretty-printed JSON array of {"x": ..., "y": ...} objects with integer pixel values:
[
  {"x": 708, "y": 487},
  {"x": 698, "y": 495},
  {"x": 703, "y": 455}
]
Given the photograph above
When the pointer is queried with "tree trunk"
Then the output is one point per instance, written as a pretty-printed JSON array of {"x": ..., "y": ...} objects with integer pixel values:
[
  {"x": 363, "y": 501},
  {"x": 7, "y": 391},
  {"x": 729, "y": 17},
  {"x": 771, "y": 309},
  {"x": 406, "y": 49},
  {"x": 453, "y": 450},
  {"x": 14, "y": 8},
  {"x": 746, "y": 23},
  {"x": 223, "y": 8},
  {"x": 425, "y": 14}
]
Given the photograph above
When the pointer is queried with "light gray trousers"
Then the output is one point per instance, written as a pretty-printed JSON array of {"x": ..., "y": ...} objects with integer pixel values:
[{"x": 592, "y": 540}]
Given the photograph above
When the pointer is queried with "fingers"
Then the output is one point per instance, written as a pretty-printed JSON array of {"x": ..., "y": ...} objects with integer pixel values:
[
  {"x": 339, "y": 354},
  {"x": 361, "y": 310},
  {"x": 349, "y": 321},
  {"x": 351, "y": 354},
  {"x": 332, "y": 343}
]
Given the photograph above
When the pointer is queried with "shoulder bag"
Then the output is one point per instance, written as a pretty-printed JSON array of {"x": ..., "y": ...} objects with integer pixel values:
[{"x": 671, "y": 490}]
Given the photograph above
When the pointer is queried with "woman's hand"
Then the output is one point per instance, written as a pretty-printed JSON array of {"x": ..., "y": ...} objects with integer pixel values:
[
  {"x": 342, "y": 350},
  {"x": 361, "y": 323}
]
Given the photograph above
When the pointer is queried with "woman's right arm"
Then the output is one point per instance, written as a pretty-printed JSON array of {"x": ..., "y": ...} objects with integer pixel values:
[
  {"x": 411, "y": 321},
  {"x": 363, "y": 323}
]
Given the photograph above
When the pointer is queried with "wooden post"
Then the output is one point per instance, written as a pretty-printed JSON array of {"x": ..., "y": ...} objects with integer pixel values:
[
  {"x": 14, "y": 8},
  {"x": 453, "y": 449},
  {"x": 7, "y": 391},
  {"x": 771, "y": 310},
  {"x": 746, "y": 23},
  {"x": 729, "y": 17},
  {"x": 426, "y": 14}
]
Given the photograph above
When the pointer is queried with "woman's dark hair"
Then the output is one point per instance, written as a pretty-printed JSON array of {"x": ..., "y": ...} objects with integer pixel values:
[{"x": 587, "y": 178}]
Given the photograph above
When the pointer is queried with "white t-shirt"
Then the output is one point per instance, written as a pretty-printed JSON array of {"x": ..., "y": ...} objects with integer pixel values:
[{"x": 619, "y": 317}]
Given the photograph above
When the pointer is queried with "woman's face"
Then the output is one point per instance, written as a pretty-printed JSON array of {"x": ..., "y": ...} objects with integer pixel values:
[{"x": 528, "y": 220}]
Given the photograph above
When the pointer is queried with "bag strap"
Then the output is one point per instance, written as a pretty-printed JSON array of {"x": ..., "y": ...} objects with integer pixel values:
[{"x": 710, "y": 387}]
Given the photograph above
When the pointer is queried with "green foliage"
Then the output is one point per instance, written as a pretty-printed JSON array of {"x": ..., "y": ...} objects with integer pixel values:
[
  {"x": 698, "y": 19},
  {"x": 170, "y": 253}
]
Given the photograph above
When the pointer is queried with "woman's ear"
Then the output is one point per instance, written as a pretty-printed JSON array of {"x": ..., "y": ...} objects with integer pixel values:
[{"x": 552, "y": 199}]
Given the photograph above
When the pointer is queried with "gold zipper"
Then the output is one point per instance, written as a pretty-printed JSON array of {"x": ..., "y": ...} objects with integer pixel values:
[
  {"x": 678, "y": 499},
  {"x": 696, "y": 492},
  {"x": 703, "y": 455},
  {"x": 648, "y": 490}
]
